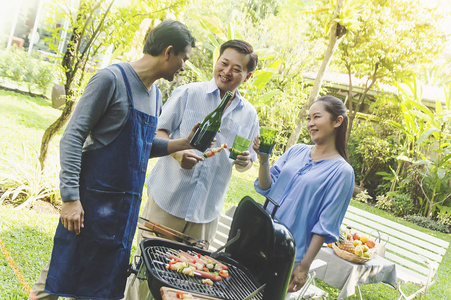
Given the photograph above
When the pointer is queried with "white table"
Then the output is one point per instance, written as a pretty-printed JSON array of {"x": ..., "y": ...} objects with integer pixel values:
[{"x": 346, "y": 276}]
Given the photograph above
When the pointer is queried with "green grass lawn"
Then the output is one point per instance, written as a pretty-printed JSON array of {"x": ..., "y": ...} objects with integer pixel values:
[{"x": 28, "y": 235}]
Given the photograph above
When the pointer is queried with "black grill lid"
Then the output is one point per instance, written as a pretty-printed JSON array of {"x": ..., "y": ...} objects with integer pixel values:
[{"x": 265, "y": 247}]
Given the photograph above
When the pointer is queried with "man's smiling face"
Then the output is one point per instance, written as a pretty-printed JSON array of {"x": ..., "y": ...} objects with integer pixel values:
[{"x": 231, "y": 70}]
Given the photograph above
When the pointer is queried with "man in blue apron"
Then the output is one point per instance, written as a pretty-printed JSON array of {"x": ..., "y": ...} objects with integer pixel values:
[{"x": 104, "y": 153}]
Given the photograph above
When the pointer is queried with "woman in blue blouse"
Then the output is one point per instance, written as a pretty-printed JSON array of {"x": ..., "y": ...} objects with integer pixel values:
[{"x": 313, "y": 184}]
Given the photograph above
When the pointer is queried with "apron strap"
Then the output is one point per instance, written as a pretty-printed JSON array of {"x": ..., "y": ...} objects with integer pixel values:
[{"x": 127, "y": 85}]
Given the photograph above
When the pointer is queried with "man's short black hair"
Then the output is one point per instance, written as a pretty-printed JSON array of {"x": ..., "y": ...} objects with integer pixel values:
[
  {"x": 168, "y": 33},
  {"x": 242, "y": 47}
]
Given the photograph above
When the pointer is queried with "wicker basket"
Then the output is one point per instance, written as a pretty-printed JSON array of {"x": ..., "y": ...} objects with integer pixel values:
[{"x": 351, "y": 256}]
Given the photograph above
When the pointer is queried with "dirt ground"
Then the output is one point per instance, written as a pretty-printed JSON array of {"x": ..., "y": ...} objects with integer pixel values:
[{"x": 45, "y": 207}]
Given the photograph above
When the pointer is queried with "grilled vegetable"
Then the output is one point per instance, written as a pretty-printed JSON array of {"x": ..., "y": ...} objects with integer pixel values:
[
  {"x": 224, "y": 273},
  {"x": 207, "y": 281}
]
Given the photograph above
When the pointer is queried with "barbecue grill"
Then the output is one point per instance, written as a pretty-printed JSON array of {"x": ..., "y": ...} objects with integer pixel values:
[{"x": 260, "y": 261}]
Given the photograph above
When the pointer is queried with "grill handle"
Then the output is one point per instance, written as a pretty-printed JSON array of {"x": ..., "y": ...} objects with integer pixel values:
[
  {"x": 137, "y": 269},
  {"x": 276, "y": 206},
  {"x": 231, "y": 241}
]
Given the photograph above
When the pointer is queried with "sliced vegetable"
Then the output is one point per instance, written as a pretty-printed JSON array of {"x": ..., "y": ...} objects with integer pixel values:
[{"x": 224, "y": 273}]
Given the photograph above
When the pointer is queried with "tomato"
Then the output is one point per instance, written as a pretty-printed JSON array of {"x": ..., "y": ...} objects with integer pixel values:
[
  {"x": 180, "y": 295},
  {"x": 224, "y": 273}
]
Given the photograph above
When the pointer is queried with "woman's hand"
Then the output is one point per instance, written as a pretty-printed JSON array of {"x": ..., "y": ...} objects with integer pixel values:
[
  {"x": 298, "y": 278},
  {"x": 256, "y": 145}
]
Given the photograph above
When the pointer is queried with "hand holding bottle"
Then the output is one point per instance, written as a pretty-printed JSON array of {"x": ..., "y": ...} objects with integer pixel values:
[{"x": 210, "y": 125}]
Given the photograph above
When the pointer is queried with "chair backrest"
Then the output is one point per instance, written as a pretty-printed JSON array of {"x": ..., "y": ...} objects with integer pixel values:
[{"x": 222, "y": 232}]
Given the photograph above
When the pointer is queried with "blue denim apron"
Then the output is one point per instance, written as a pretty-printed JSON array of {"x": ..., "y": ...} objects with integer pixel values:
[{"x": 94, "y": 263}]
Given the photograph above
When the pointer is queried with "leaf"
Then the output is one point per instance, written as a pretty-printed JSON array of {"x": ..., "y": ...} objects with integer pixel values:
[
  {"x": 262, "y": 79},
  {"x": 265, "y": 53},
  {"x": 421, "y": 115},
  {"x": 275, "y": 64},
  {"x": 230, "y": 32},
  {"x": 398, "y": 126},
  {"x": 441, "y": 173},
  {"x": 426, "y": 134},
  {"x": 422, "y": 162},
  {"x": 213, "y": 40},
  {"x": 268, "y": 96},
  {"x": 196, "y": 70},
  {"x": 213, "y": 26},
  {"x": 438, "y": 106},
  {"x": 423, "y": 108},
  {"x": 404, "y": 158}
]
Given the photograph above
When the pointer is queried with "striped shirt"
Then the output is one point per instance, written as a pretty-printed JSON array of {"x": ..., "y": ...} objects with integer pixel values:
[{"x": 197, "y": 195}]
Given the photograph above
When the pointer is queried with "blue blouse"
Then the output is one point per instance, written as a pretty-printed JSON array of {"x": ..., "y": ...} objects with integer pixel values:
[{"x": 313, "y": 196}]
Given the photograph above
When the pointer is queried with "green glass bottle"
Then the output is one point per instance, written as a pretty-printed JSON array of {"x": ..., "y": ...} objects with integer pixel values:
[{"x": 210, "y": 125}]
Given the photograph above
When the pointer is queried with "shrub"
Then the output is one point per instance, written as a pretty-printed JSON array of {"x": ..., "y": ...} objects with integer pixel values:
[
  {"x": 17, "y": 66},
  {"x": 402, "y": 204},
  {"x": 363, "y": 196},
  {"x": 23, "y": 180},
  {"x": 444, "y": 218},
  {"x": 427, "y": 223},
  {"x": 384, "y": 202}
]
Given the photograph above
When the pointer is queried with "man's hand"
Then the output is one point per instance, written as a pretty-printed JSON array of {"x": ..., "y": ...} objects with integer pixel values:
[
  {"x": 181, "y": 143},
  {"x": 243, "y": 161},
  {"x": 187, "y": 159},
  {"x": 298, "y": 278},
  {"x": 191, "y": 134},
  {"x": 72, "y": 216}
]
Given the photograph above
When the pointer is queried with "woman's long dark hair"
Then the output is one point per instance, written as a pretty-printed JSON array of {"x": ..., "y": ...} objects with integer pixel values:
[{"x": 336, "y": 108}]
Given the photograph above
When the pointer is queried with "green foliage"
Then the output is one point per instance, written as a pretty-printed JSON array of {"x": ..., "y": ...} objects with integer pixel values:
[
  {"x": 369, "y": 153},
  {"x": 444, "y": 218},
  {"x": 271, "y": 90},
  {"x": 396, "y": 36},
  {"x": 374, "y": 152},
  {"x": 402, "y": 204},
  {"x": 384, "y": 202},
  {"x": 386, "y": 108},
  {"x": 426, "y": 135},
  {"x": 350, "y": 15},
  {"x": 394, "y": 40},
  {"x": 427, "y": 223},
  {"x": 19, "y": 67},
  {"x": 24, "y": 182},
  {"x": 363, "y": 197},
  {"x": 25, "y": 119}
]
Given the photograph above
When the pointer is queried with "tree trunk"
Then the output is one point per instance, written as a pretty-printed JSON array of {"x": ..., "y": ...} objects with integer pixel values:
[
  {"x": 337, "y": 32},
  {"x": 353, "y": 113},
  {"x": 52, "y": 130},
  {"x": 70, "y": 66}
]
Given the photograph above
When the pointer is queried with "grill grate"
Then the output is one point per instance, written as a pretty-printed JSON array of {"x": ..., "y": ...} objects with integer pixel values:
[{"x": 235, "y": 287}]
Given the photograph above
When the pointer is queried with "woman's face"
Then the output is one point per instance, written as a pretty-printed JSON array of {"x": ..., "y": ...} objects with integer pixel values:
[{"x": 320, "y": 125}]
